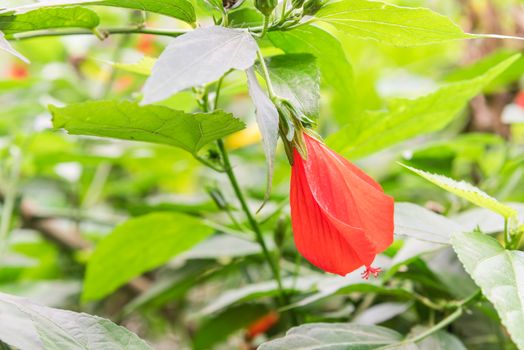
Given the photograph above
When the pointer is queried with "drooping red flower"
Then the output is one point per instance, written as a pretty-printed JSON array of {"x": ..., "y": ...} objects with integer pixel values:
[{"x": 341, "y": 217}]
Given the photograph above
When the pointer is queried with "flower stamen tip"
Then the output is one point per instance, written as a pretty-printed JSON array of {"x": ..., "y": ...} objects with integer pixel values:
[{"x": 370, "y": 270}]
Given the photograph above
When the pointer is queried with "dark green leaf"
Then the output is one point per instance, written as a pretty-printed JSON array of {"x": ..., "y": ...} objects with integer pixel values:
[
  {"x": 219, "y": 327},
  {"x": 129, "y": 121}
]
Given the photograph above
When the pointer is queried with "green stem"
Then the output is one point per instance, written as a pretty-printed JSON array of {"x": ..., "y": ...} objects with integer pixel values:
[
  {"x": 445, "y": 322},
  {"x": 265, "y": 71},
  {"x": 251, "y": 219},
  {"x": 507, "y": 238},
  {"x": 104, "y": 32},
  {"x": 266, "y": 25}
]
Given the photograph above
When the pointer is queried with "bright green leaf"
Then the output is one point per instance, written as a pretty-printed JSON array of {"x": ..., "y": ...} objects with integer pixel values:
[
  {"x": 467, "y": 191},
  {"x": 324, "y": 336},
  {"x": 500, "y": 275},
  {"x": 181, "y": 9},
  {"x": 158, "y": 124},
  {"x": 405, "y": 118},
  {"x": 334, "y": 66},
  {"x": 29, "y": 326},
  {"x": 390, "y": 24},
  {"x": 49, "y": 18},
  {"x": 296, "y": 78},
  {"x": 139, "y": 245}
]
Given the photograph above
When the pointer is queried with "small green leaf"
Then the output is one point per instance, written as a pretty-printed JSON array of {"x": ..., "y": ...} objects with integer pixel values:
[
  {"x": 390, "y": 24},
  {"x": 405, "y": 118},
  {"x": 324, "y": 336},
  {"x": 467, "y": 191},
  {"x": 335, "y": 68},
  {"x": 157, "y": 124},
  {"x": 296, "y": 77},
  {"x": 500, "y": 275},
  {"x": 26, "y": 326},
  {"x": 139, "y": 245},
  {"x": 49, "y": 18}
]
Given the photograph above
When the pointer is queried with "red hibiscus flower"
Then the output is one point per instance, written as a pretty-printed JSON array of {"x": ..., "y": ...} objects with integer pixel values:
[{"x": 341, "y": 217}]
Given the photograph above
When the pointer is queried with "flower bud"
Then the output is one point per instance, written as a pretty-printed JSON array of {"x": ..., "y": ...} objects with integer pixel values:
[
  {"x": 266, "y": 7},
  {"x": 312, "y": 6}
]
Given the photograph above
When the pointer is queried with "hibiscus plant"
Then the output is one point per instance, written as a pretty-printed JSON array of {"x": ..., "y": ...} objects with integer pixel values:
[{"x": 261, "y": 174}]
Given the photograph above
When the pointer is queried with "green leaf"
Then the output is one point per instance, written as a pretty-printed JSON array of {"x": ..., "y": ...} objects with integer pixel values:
[
  {"x": 512, "y": 74},
  {"x": 334, "y": 336},
  {"x": 142, "y": 67},
  {"x": 139, "y": 245},
  {"x": 49, "y": 18},
  {"x": 466, "y": 191},
  {"x": 334, "y": 66},
  {"x": 29, "y": 326},
  {"x": 500, "y": 275},
  {"x": 221, "y": 326},
  {"x": 390, "y": 24},
  {"x": 199, "y": 57},
  {"x": 245, "y": 18},
  {"x": 180, "y": 9},
  {"x": 405, "y": 118},
  {"x": 418, "y": 222},
  {"x": 296, "y": 77},
  {"x": 157, "y": 124}
]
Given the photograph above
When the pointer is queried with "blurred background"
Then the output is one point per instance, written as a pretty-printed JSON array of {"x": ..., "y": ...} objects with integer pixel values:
[{"x": 69, "y": 192}]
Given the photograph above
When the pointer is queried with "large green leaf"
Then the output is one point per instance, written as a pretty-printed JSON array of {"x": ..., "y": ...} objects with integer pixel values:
[
  {"x": 500, "y": 275},
  {"x": 390, "y": 24},
  {"x": 49, "y": 18},
  {"x": 334, "y": 66},
  {"x": 405, "y": 118},
  {"x": 334, "y": 336},
  {"x": 158, "y": 124},
  {"x": 181, "y": 9},
  {"x": 467, "y": 191},
  {"x": 28, "y": 326},
  {"x": 296, "y": 78},
  {"x": 139, "y": 245}
]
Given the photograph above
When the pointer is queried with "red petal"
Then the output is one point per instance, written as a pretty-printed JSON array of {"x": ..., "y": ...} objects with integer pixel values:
[
  {"x": 316, "y": 238},
  {"x": 350, "y": 195},
  {"x": 341, "y": 217}
]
